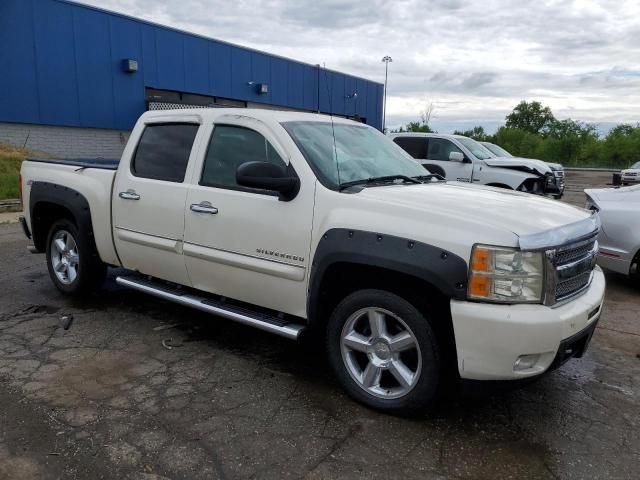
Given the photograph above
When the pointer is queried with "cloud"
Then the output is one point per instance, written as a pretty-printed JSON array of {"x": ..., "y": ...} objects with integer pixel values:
[{"x": 473, "y": 60}]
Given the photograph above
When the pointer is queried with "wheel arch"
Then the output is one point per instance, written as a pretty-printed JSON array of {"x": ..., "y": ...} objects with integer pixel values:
[
  {"x": 49, "y": 202},
  {"x": 349, "y": 260},
  {"x": 500, "y": 185},
  {"x": 635, "y": 261}
]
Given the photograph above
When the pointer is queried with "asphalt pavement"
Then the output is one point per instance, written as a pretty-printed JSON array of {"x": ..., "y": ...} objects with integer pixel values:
[{"x": 122, "y": 385}]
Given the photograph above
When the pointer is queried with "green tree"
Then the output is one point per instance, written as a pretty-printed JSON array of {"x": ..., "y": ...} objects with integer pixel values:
[
  {"x": 414, "y": 127},
  {"x": 531, "y": 117},
  {"x": 477, "y": 133}
]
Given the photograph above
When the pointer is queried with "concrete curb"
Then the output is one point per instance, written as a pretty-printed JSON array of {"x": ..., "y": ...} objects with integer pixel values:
[{"x": 12, "y": 205}]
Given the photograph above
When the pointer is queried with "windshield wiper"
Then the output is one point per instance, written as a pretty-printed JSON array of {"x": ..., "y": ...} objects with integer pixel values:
[
  {"x": 430, "y": 176},
  {"x": 379, "y": 180}
]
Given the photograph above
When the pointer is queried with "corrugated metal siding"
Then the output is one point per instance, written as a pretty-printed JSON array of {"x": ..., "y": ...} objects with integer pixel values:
[{"x": 62, "y": 65}]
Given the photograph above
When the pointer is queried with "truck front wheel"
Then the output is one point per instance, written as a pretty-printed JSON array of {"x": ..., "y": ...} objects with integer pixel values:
[
  {"x": 384, "y": 352},
  {"x": 72, "y": 260}
]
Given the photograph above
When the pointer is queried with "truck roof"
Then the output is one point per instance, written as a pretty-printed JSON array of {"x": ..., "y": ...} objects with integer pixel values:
[
  {"x": 212, "y": 114},
  {"x": 424, "y": 134}
]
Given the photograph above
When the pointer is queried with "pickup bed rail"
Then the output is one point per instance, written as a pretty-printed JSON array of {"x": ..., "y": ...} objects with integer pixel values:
[{"x": 102, "y": 163}]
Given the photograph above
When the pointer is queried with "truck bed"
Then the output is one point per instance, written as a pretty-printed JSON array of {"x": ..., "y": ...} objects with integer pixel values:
[{"x": 101, "y": 163}]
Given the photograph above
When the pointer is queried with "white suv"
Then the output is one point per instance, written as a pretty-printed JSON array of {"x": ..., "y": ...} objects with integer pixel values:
[
  {"x": 462, "y": 159},
  {"x": 631, "y": 174}
]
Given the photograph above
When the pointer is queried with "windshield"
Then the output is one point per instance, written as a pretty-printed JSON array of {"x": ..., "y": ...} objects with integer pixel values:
[
  {"x": 497, "y": 150},
  {"x": 476, "y": 148},
  {"x": 635, "y": 165},
  {"x": 362, "y": 152}
]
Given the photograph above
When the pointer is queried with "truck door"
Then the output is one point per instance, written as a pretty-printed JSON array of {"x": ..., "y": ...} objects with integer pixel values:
[
  {"x": 438, "y": 155},
  {"x": 244, "y": 243},
  {"x": 149, "y": 199}
]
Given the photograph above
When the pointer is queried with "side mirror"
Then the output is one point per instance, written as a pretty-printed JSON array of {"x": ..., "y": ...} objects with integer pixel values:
[
  {"x": 456, "y": 157},
  {"x": 268, "y": 176}
]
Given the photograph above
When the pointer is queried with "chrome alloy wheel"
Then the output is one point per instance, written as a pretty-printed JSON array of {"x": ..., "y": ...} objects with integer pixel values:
[
  {"x": 381, "y": 353},
  {"x": 64, "y": 257}
]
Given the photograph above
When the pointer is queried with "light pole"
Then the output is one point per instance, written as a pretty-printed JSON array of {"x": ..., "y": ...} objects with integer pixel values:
[{"x": 386, "y": 59}]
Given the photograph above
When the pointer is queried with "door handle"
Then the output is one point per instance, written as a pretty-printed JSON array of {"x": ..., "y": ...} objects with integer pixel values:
[
  {"x": 204, "y": 207},
  {"x": 129, "y": 195}
]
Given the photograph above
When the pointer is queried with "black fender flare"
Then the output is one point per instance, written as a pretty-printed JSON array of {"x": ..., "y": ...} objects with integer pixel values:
[
  {"x": 445, "y": 270},
  {"x": 500, "y": 185},
  {"x": 68, "y": 198}
]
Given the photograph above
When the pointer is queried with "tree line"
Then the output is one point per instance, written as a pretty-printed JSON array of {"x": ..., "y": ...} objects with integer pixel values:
[{"x": 532, "y": 131}]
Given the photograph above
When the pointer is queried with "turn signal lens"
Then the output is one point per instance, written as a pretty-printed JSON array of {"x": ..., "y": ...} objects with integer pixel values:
[
  {"x": 480, "y": 260},
  {"x": 479, "y": 286}
]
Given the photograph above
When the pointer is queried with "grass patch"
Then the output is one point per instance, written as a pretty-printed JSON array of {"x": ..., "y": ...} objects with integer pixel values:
[{"x": 10, "y": 160}]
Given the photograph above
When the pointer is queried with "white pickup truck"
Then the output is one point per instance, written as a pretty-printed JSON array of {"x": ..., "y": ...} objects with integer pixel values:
[
  {"x": 462, "y": 159},
  {"x": 286, "y": 221}
]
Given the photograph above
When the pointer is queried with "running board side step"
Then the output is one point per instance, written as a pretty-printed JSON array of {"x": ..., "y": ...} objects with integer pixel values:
[{"x": 261, "y": 321}]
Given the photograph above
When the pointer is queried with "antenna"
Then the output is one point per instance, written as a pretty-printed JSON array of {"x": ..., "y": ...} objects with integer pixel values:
[{"x": 333, "y": 130}]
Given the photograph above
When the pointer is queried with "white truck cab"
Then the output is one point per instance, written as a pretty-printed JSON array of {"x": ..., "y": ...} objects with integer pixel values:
[
  {"x": 462, "y": 159},
  {"x": 286, "y": 221}
]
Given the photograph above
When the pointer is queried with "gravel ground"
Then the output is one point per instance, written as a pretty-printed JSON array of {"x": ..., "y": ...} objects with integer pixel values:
[{"x": 105, "y": 399}]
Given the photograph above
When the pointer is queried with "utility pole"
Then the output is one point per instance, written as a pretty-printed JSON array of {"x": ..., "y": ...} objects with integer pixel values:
[{"x": 386, "y": 59}]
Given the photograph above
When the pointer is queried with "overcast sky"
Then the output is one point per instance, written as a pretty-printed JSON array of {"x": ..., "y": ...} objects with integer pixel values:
[{"x": 473, "y": 60}]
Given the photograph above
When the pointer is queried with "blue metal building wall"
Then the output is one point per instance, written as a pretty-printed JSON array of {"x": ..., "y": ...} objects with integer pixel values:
[{"x": 61, "y": 65}]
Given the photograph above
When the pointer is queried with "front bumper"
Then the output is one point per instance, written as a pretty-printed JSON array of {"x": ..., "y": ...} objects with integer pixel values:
[
  {"x": 490, "y": 338},
  {"x": 634, "y": 179}
]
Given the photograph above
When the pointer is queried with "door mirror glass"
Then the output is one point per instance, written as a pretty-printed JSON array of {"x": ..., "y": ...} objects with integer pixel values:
[
  {"x": 456, "y": 157},
  {"x": 268, "y": 176}
]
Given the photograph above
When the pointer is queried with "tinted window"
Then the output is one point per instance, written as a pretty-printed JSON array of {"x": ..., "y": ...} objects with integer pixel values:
[
  {"x": 414, "y": 146},
  {"x": 440, "y": 148},
  {"x": 229, "y": 148},
  {"x": 163, "y": 151}
]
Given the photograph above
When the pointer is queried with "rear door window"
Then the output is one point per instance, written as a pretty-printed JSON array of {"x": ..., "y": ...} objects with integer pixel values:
[
  {"x": 414, "y": 146},
  {"x": 163, "y": 151}
]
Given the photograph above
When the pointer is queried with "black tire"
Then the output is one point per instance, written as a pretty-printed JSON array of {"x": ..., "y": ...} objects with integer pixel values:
[
  {"x": 90, "y": 270},
  {"x": 427, "y": 378}
]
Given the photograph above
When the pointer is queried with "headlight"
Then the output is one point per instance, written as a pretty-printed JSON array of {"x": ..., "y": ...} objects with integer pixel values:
[
  {"x": 591, "y": 205},
  {"x": 506, "y": 275}
]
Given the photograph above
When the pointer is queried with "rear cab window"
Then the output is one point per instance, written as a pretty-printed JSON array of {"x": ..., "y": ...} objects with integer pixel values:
[{"x": 163, "y": 151}]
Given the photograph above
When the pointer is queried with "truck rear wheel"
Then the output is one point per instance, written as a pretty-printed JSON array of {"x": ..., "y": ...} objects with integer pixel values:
[
  {"x": 384, "y": 352},
  {"x": 72, "y": 260}
]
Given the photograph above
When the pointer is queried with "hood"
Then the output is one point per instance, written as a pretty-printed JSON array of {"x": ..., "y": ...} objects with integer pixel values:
[
  {"x": 554, "y": 166},
  {"x": 517, "y": 163},
  {"x": 516, "y": 212},
  {"x": 630, "y": 170},
  {"x": 622, "y": 194}
]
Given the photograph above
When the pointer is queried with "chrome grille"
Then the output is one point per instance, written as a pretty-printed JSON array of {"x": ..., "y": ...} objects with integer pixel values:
[
  {"x": 573, "y": 285},
  {"x": 573, "y": 268},
  {"x": 574, "y": 252}
]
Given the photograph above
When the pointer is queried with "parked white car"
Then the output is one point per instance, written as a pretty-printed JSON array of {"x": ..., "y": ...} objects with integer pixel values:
[
  {"x": 556, "y": 168},
  {"x": 462, "y": 159},
  {"x": 631, "y": 174},
  {"x": 619, "y": 238},
  {"x": 288, "y": 221}
]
